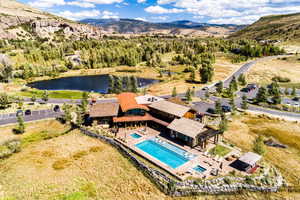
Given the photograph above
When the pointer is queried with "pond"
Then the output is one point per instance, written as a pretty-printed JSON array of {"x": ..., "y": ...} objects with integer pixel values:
[{"x": 95, "y": 83}]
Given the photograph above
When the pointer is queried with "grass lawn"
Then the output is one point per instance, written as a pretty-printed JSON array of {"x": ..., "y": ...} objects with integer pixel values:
[
  {"x": 65, "y": 94},
  {"x": 219, "y": 150}
]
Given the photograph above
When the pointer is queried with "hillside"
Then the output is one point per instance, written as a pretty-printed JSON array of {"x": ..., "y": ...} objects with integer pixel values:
[
  {"x": 19, "y": 21},
  {"x": 183, "y": 27},
  {"x": 274, "y": 27}
]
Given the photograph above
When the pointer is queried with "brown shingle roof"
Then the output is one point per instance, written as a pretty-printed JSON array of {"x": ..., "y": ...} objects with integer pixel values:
[
  {"x": 127, "y": 102},
  {"x": 171, "y": 108},
  {"x": 187, "y": 127},
  {"x": 104, "y": 110}
]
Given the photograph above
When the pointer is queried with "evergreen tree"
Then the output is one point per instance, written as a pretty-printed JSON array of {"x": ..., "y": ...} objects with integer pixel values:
[
  {"x": 4, "y": 101},
  {"x": 21, "y": 126},
  {"x": 188, "y": 95},
  {"x": 192, "y": 76},
  {"x": 174, "y": 92},
  {"x": 33, "y": 98},
  {"x": 84, "y": 102},
  {"x": 232, "y": 104},
  {"x": 218, "y": 107},
  {"x": 134, "y": 84},
  {"x": 67, "y": 113},
  {"x": 293, "y": 91},
  {"x": 261, "y": 96},
  {"x": 259, "y": 146},
  {"x": 242, "y": 80},
  {"x": 111, "y": 84},
  {"x": 118, "y": 85},
  {"x": 233, "y": 86},
  {"x": 206, "y": 72},
  {"x": 274, "y": 89},
  {"x": 127, "y": 84},
  {"x": 244, "y": 104},
  {"x": 286, "y": 91},
  {"x": 45, "y": 96},
  {"x": 219, "y": 87},
  {"x": 193, "y": 92},
  {"x": 223, "y": 126},
  {"x": 276, "y": 99}
]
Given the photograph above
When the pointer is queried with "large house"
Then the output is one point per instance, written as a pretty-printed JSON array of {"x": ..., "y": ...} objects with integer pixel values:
[{"x": 171, "y": 119}]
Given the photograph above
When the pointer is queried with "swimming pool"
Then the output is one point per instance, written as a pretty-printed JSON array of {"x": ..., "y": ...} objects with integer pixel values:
[
  {"x": 135, "y": 135},
  {"x": 200, "y": 169},
  {"x": 167, "y": 153}
]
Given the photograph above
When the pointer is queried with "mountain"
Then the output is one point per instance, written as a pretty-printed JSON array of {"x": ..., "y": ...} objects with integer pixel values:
[
  {"x": 20, "y": 21},
  {"x": 273, "y": 27},
  {"x": 183, "y": 27}
]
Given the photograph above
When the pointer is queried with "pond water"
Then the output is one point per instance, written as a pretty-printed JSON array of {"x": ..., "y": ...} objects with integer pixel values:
[{"x": 95, "y": 83}]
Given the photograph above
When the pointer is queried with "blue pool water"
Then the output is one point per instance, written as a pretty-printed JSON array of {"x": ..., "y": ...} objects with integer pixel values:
[
  {"x": 200, "y": 169},
  {"x": 166, "y": 153},
  {"x": 135, "y": 135}
]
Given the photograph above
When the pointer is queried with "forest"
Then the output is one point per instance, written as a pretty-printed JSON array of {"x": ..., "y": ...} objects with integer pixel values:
[{"x": 48, "y": 58}]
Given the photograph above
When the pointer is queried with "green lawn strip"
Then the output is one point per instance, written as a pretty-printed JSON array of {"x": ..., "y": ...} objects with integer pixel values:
[
  {"x": 219, "y": 150},
  {"x": 63, "y": 94}
]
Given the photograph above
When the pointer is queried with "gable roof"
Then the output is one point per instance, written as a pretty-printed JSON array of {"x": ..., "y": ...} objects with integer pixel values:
[
  {"x": 104, "y": 110},
  {"x": 127, "y": 102},
  {"x": 171, "y": 108},
  {"x": 187, "y": 127}
]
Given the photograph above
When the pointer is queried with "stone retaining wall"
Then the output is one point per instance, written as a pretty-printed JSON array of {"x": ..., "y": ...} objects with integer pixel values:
[{"x": 188, "y": 187}]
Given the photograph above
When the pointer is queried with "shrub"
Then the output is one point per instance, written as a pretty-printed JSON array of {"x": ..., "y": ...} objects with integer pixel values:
[
  {"x": 10, "y": 147},
  {"x": 227, "y": 181},
  {"x": 89, "y": 188},
  {"x": 249, "y": 180},
  {"x": 281, "y": 79},
  {"x": 61, "y": 164},
  {"x": 96, "y": 149},
  {"x": 79, "y": 154}
]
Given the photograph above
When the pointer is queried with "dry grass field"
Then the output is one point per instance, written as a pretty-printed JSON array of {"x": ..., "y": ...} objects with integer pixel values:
[
  {"x": 76, "y": 167},
  {"x": 263, "y": 72},
  {"x": 244, "y": 129}
]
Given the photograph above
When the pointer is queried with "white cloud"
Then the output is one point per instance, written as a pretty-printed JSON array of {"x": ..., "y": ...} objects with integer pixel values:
[
  {"x": 161, "y": 2},
  {"x": 161, "y": 10},
  {"x": 80, "y": 15},
  {"x": 141, "y": 1},
  {"x": 81, "y": 4},
  {"x": 104, "y": 1},
  {"x": 235, "y": 20},
  {"x": 46, "y": 3},
  {"x": 109, "y": 15}
]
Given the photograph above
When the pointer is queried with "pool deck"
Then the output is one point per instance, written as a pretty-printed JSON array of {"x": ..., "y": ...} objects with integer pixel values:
[{"x": 184, "y": 171}]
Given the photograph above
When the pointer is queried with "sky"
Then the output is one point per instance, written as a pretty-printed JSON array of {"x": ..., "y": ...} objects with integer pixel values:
[{"x": 204, "y": 11}]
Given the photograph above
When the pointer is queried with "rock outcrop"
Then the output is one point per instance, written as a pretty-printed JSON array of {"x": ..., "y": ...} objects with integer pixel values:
[{"x": 19, "y": 21}]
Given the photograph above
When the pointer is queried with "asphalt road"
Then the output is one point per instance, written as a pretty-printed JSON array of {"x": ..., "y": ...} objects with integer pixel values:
[
  {"x": 199, "y": 106},
  {"x": 35, "y": 115}
]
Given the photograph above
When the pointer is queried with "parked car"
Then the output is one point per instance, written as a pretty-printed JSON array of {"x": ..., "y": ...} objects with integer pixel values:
[
  {"x": 249, "y": 88},
  {"x": 211, "y": 111},
  {"x": 56, "y": 108},
  {"x": 226, "y": 109},
  {"x": 296, "y": 99},
  {"x": 28, "y": 112},
  {"x": 19, "y": 113}
]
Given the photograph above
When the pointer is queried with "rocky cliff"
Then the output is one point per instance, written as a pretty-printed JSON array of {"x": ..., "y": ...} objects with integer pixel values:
[{"x": 19, "y": 21}]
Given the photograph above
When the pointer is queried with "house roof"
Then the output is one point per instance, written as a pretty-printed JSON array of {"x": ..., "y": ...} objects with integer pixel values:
[
  {"x": 250, "y": 158},
  {"x": 127, "y": 102},
  {"x": 171, "y": 108},
  {"x": 187, "y": 127},
  {"x": 146, "y": 117},
  {"x": 147, "y": 99},
  {"x": 104, "y": 110}
]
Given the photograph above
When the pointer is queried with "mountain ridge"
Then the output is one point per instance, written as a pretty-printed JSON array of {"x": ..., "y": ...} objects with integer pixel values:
[{"x": 127, "y": 26}]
